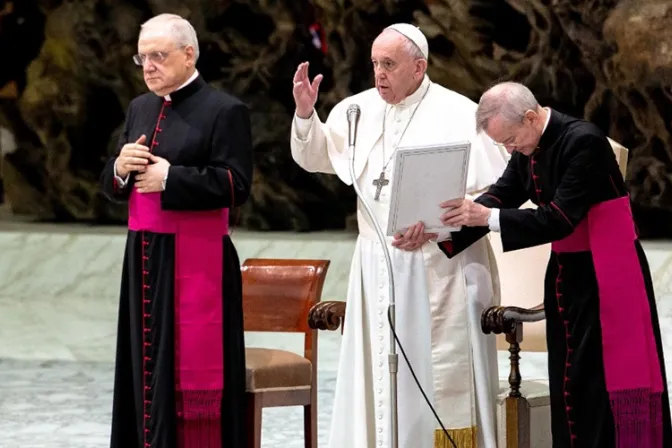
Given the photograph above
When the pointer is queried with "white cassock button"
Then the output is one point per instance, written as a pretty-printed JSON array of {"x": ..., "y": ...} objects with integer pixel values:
[
  {"x": 380, "y": 325},
  {"x": 380, "y": 430},
  {"x": 380, "y": 391},
  {"x": 380, "y": 417}
]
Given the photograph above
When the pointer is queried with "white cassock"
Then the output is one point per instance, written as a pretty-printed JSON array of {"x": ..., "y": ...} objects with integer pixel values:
[{"x": 439, "y": 300}]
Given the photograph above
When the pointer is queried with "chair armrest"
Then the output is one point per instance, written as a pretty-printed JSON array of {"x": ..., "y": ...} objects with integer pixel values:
[
  {"x": 504, "y": 319},
  {"x": 328, "y": 315},
  {"x": 509, "y": 320}
]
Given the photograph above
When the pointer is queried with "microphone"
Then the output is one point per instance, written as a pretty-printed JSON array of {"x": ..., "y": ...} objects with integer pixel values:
[
  {"x": 353, "y": 119},
  {"x": 353, "y": 113}
]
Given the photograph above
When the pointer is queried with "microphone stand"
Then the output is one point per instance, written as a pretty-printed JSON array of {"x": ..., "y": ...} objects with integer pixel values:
[{"x": 393, "y": 359}]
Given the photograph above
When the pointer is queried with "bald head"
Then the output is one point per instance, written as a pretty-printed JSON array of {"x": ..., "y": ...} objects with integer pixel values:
[{"x": 509, "y": 101}]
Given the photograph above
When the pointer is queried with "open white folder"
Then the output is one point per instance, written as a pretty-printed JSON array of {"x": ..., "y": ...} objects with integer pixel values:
[{"x": 423, "y": 178}]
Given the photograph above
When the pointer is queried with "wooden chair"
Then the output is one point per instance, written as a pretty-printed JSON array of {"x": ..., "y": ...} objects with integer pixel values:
[
  {"x": 521, "y": 275},
  {"x": 277, "y": 296},
  {"x": 522, "y": 280}
]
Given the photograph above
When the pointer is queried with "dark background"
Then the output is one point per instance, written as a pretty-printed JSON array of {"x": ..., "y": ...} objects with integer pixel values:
[{"x": 66, "y": 78}]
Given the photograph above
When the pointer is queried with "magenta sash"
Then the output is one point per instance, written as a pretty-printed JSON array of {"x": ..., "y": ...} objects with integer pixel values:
[
  {"x": 199, "y": 353},
  {"x": 631, "y": 363}
]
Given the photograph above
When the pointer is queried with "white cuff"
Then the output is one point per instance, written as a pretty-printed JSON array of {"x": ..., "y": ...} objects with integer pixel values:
[
  {"x": 303, "y": 125},
  {"x": 493, "y": 220},
  {"x": 120, "y": 181},
  {"x": 165, "y": 179},
  {"x": 442, "y": 236}
]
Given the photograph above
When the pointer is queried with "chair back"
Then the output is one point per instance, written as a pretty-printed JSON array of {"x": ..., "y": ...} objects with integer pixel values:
[
  {"x": 522, "y": 272},
  {"x": 279, "y": 293}
]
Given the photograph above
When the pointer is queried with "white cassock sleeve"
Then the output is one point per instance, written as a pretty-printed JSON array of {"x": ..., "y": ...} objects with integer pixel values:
[{"x": 319, "y": 147}]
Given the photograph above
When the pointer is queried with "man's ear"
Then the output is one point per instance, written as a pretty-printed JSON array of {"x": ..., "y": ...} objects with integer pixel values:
[
  {"x": 189, "y": 51},
  {"x": 530, "y": 115},
  {"x": 420, "y": 67}
]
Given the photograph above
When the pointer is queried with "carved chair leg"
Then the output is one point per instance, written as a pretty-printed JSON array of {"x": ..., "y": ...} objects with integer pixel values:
[{"x": 253, "y": 418}]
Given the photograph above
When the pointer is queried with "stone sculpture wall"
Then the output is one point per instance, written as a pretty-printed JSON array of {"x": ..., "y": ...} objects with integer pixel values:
[{"x": 67, "y": 77}]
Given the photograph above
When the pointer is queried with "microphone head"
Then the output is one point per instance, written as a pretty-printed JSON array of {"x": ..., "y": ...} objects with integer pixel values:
[{"x": 353, "y": 111}]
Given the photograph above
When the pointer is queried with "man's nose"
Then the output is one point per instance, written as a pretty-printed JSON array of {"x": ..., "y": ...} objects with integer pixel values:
[{"x": 148, "y": 65}]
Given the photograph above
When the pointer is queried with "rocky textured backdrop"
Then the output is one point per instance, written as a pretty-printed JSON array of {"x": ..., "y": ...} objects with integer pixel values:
[{"x": 67, "y": 77}]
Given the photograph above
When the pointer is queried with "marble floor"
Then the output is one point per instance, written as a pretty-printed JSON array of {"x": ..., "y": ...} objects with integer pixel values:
[{"x": 58, "y": 305}]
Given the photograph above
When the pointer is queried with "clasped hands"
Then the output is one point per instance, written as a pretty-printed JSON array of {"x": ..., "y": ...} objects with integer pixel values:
[
  {"x": 135, "y": 157},
  {"x": 461, "y": 212}
]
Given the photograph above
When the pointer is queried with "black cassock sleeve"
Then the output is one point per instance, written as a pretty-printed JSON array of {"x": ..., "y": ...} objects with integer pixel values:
[
  {"x": 108, "y": 184},
  {"x": 581, "y": 185},
  {"x": 226, "y": 179},
  {"x": 507, "y": 193}
]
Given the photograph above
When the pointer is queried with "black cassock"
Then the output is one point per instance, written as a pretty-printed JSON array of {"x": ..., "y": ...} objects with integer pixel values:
[
  {"x": 605, "y": 359},
  {"x": 180, "y": 362}
]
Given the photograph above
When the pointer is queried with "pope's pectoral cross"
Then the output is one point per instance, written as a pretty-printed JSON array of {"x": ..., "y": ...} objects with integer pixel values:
[{"x": 379, "y": 184}]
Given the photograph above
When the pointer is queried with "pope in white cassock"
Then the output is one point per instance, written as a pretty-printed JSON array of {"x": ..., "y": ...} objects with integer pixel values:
[{"x": 439, "y": 300}]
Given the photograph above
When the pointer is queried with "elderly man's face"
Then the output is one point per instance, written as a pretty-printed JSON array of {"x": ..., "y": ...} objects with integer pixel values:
[
  {"x": 520, "y": 137},
  {"x": 165, "y": 65},
  {"x": 396, "y": 72}
]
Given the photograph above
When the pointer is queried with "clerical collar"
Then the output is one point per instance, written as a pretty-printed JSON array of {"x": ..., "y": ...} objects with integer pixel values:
[
  {"x": 548, "y": 118},
  {"x": 552, "y": 128},
  {"x": 182, "y": 91},
  {"x": 415, "y": 96}
]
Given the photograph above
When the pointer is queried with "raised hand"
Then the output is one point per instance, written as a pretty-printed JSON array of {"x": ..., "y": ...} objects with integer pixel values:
[{"x": 305, "y": 92}]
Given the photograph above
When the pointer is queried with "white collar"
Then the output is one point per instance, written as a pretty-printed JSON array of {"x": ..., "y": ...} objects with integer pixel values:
[
  {"x": 189, "y": 81},
  {"x": 548, "y": 118}
]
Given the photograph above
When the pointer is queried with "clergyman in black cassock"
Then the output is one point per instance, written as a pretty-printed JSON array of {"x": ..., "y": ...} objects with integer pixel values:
[
  {"x": 180, "y": 361},
  {"x": 608, "y": 385}
]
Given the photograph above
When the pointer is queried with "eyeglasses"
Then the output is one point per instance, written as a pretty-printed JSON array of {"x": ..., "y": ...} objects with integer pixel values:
[
  {"x": 508, "y": 143},
  {"x": 155, "y": 57}
]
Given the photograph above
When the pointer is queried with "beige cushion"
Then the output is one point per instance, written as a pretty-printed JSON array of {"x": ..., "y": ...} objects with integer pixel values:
[{"x": 268, "y": 369}]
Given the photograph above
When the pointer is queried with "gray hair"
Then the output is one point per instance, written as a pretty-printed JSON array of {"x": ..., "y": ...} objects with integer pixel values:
[
  {"x": 412, "y": 49},
  {"x": 509, "y": 100},
  {"x": 177, "y": 28}
]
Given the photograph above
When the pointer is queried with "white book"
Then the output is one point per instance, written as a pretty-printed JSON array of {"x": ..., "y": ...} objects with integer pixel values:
[{"x": 423, "y": 178}]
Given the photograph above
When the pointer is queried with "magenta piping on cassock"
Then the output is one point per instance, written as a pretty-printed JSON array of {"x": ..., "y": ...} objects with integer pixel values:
[
  {"x": 608, "y": 232},
  {"x": 199, "y": 353}
]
